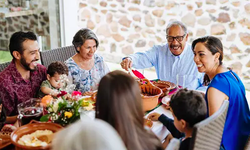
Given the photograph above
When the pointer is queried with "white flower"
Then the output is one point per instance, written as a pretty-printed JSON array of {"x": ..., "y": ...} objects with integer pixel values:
[
  {"x": 54, "y": 92},
  {"x": 55, "y": 104},
  {"x": 68, "y": 85},
  {"x": 54, "y": 117},
  {"x": 50, "y": 110}
]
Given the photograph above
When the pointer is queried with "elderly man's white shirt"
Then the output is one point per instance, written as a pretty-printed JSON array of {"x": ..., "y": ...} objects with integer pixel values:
[{"x": 167, "y": 65}]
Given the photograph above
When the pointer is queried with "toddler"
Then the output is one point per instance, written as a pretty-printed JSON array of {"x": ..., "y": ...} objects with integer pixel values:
[{"x": 57, "y": 76}]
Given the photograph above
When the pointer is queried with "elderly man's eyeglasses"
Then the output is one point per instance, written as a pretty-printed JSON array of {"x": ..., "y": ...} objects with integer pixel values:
[{"x": 178, "y": 38}]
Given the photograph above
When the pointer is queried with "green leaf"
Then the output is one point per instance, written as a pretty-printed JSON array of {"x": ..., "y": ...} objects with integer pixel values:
[
  {"x": 45, "y": 118},
  {"x": 62, "y": 105}
]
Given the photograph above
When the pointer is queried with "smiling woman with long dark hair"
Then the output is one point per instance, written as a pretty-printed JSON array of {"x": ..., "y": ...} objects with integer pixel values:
[
  {"x": 223, "y": 85},
  {"x": 119, "y": 103}
]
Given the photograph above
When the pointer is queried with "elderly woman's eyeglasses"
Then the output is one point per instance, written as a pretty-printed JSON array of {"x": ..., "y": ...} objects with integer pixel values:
[{"x": 178, "y": 38}]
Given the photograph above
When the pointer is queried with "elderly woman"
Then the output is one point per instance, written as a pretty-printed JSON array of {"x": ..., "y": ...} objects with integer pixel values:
[
  {"x": 119, "y": 103},
  {"x": 223, "y": 85},
  {"x": 86, "y": 68}
]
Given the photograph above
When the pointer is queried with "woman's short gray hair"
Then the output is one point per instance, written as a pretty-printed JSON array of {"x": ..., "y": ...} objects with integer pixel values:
[
  {"x": 177, "y": 23},
  {"x": 82, "y": 35},
  {"x": 87, "y": 134}
]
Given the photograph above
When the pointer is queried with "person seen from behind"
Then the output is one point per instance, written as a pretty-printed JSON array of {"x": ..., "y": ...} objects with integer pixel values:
[{"x": 119, "y": 103}]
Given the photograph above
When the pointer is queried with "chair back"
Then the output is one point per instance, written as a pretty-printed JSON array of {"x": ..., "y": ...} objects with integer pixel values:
[
  {"x": 247, "y": 147},
  {"x": 3, "y": 66},
  {"x": 174, "y": 144},
  {"x": 207, "y": 134},
  {"x": 58, "y": 54}
]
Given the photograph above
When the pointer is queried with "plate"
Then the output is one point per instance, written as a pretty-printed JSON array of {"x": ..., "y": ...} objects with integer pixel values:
[
  {"x": 4, "y": 140},
  {"x": 171, "y": 84},
  {"x": 165, "y": 100}
]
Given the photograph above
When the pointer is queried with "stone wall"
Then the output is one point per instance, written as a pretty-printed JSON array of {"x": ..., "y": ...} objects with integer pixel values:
[
  {"x": 38, "y": 22},
  {"x": 127, "y": 26}
]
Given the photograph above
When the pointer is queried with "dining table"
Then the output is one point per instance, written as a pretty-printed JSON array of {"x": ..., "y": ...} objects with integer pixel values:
[{"x": 158, "y": 128}]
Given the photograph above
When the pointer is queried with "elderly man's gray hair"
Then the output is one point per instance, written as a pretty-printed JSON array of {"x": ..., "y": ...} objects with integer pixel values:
[{"x": 177, "y": 23}]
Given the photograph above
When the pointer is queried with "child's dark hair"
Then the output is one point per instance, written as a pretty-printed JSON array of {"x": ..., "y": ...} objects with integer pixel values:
[
  {"x": 189, "y": 105},
  {"x": 57, "y": 67}
]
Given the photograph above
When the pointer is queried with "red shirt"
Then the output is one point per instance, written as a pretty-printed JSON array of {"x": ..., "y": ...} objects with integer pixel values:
[{"x": 14, "y": 89}]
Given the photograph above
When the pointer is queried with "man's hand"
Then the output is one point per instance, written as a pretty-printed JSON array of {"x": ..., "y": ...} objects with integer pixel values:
[
  {"x": 154, "y": 116},
  {"x": 126, "y": 63}
]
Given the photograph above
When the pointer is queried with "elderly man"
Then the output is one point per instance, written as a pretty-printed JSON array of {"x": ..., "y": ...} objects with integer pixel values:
[
  {"x": 21, "y": 80},
  {"x": 172, "y": 61}
]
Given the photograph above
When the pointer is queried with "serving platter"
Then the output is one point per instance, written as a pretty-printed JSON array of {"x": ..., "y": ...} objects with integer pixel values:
[{"x": 171, "y": 85}]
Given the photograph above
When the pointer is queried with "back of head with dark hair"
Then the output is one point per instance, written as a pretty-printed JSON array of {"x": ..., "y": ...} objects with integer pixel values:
[
  {"x": 17, "y": 39},
  {"x": 119, "y": 103},
  {"x": 214, "y": 45},
  {"x": 189, "y": 105},
  {"x": 82, "y": 35},
  {"x": 57, "y": 67}
]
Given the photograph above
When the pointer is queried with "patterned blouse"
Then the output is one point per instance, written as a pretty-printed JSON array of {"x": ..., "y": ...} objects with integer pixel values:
[{"x": 87, "y": 80}]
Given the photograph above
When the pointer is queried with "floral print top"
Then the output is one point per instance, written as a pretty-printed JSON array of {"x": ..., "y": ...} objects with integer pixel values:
[{"x": 87, "y": 80}]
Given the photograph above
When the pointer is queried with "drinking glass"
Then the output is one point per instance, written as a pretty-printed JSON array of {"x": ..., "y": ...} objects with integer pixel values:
[
  {"x": 30, "y": 110},
  {"x": 180, "y": 81}
]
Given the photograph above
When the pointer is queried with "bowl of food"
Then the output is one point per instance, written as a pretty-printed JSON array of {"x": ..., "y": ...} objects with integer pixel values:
[
  {"x": 28, "y": 137},
  {"x": 150, "y": 94},
  {"x": 165, "y": 86}
]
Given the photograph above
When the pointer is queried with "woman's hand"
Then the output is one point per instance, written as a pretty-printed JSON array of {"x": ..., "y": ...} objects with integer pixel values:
[
  {"x": 154, "y": 116},
  {"x": 126, "y": 63}
]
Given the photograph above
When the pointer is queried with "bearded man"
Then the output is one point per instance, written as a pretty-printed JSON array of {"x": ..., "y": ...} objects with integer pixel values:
[
  {"x": 21, "y": 80},
  {"x": 172, "y": 60}
]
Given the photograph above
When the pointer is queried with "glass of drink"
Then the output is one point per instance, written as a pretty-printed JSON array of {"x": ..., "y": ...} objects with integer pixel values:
[
  {"x": 180, "y": 81},
  {"x": 30, "y": 110}
]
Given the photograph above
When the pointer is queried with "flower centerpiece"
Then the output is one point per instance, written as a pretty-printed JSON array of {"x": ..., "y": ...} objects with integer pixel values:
[{"x": 64, "y": 109}]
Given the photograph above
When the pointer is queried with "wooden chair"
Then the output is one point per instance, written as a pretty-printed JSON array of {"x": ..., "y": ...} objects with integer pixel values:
[
  {"x": 174, "y": 144},
  {"x": 207, "y": 134},
  {"x": 58, "y": 54},
  {"x": 3, "y": 66}
]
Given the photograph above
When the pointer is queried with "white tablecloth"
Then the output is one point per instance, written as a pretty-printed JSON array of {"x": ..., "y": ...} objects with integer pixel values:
[{"x": 158, "y": 128}]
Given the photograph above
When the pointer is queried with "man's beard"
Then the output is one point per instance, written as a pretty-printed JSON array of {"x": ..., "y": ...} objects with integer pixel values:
[{"x": 27, "y": 65}]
